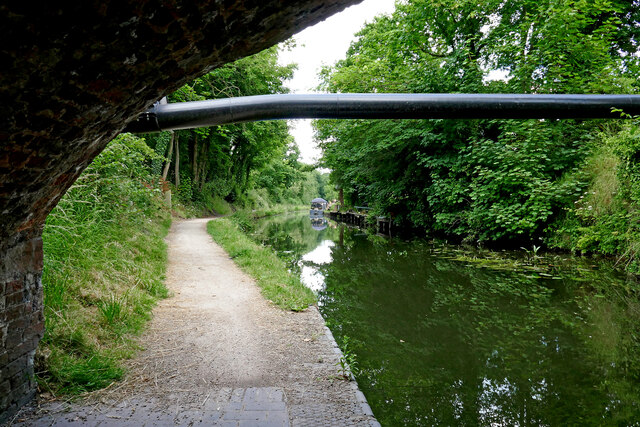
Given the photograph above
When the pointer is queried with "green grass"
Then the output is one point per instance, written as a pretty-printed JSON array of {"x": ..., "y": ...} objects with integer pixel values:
[
  {"x": 276, "y": 283},
  {"x": 104, "y": 266},
  {"x": 221, "y": 206},
  {"x": 97, "y": 299}
]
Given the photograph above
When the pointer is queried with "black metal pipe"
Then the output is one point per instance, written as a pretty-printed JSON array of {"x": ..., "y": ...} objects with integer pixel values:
[{"x": 188, "y": 115}]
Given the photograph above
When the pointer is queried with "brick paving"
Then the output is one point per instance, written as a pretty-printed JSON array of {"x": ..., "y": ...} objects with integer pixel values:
[
  {"x": 253, "y": 406},
  {"x": 228, "y": 407}
]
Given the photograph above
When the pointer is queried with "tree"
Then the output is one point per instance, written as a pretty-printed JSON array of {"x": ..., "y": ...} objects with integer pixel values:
[
  {"x": 482, "y": 180},
  {"x": 231, "y": 161}
]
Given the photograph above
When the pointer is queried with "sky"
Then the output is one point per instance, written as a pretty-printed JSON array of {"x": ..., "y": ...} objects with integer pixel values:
[{"x": 324, "y": 44}]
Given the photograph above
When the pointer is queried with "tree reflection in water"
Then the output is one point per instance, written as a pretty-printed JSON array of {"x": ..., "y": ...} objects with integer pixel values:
[{"x": 443, "y": 338}]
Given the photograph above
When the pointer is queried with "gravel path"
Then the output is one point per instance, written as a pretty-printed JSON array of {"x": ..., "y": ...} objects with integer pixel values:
[{"x": 218, "y": 353}]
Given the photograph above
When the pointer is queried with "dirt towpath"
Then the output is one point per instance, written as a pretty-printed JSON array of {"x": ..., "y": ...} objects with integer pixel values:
[{"x": 218, "y": 353}]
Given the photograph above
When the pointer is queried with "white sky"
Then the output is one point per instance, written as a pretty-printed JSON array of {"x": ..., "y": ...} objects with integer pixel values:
[{"x": 324, "y": 44}]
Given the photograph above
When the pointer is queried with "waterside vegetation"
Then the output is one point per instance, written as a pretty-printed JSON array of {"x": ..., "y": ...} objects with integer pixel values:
[
  {"x": 567, "y": 184},
  {"x": 252, "y": 166}
]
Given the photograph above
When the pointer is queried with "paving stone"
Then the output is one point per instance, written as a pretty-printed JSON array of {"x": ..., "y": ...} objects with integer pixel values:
[
  {"x": 158, "y": 423},
  {"x": 187, "y": 417},
  {"x": 260, "y": 406},
  {"x": 233, "y": 406},
  {"x": 237, "y": 394},
  {"x": 245, "y": 415},
  {"x": 278, "y": 418},
  {"x": 245, "y": 423},
  {"x": 264, "y": 406},
  {"x": 275, "y": 394},
  {"x": 209, "y": 418},
  {"x": 70, "y": 423}
]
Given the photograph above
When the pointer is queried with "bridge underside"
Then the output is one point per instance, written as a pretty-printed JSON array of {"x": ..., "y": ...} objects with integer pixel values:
[{"x": 73, "y": 76}]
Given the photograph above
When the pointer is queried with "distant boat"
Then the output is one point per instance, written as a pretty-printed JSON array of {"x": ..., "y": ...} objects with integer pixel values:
[
  {"x": 318, "y": 223},
  {"x": 318, "y": 205}
]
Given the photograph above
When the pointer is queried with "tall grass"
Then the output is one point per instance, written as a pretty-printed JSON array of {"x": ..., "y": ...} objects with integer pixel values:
[
  {"x": 104, "y": 267},
  {"x": 278, "y": 285}
]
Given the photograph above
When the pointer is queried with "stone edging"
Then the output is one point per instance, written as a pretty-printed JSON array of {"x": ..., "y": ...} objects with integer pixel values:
[{"x": 353, "y": 384}]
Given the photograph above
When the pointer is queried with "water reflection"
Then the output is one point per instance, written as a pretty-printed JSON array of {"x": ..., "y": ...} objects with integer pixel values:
[
  {"x": 309, "y": 264},
  {"x": 444, "y": 338},
  {"x": 318, "y": 223}
]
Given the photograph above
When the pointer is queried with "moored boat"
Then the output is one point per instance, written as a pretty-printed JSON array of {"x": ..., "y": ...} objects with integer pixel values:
[{"x": 318, "y": 206}]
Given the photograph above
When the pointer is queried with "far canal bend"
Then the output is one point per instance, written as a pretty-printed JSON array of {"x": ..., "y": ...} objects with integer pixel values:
[{"x": 446, "y": 336}]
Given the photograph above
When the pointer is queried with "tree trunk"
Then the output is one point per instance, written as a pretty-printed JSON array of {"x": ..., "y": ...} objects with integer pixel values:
[
  {"x": 194, "y": 162},
  {"x": 177, "y": 170},
  {"x": 203, "y": 164},
  {"x": 165, "y": 171}
]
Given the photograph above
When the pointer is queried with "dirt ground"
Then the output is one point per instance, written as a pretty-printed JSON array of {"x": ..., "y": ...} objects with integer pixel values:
[{"x": 216, "y": 336}]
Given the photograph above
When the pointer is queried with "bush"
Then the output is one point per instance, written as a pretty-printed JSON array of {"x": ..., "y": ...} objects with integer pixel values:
[{"x": 606, "y": 217}]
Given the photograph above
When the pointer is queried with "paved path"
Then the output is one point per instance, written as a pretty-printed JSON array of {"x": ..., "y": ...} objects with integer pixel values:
[{"x": 218, "y": 353}]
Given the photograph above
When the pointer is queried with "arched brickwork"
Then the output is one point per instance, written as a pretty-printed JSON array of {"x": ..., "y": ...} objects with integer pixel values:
[{"x": 72, "y": 75}]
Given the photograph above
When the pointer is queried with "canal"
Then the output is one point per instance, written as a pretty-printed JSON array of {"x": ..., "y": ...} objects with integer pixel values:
[{"x": 447, "y": 336}]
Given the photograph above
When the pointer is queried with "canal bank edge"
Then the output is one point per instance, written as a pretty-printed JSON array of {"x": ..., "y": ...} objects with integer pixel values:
[{"x": 362, "y": 400}]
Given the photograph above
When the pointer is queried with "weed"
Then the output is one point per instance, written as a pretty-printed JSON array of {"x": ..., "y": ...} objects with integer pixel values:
[
  {"x": 70, "y": 374},
  {"x": 347, "y": 365},
  {"x": 533, "y": 253},
  {"x": 220, "y": 206},
  {"x": 113, "y": 310},
  {"x": 244, "y": 220}
]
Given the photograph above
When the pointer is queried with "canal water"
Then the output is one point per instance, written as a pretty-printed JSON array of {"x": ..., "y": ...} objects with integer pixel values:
[{"x": 448, "y": 336}]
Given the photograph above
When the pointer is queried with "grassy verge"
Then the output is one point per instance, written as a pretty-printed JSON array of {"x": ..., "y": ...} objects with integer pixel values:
[
  {"x": 277, "y": 284},
  {"x": 104, "y": 266}
]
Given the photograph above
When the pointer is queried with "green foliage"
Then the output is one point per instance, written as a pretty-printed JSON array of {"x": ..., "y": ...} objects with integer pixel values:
[
  {"x": 244, "y": 221},
  {"x": 253, "y": 165},
  {"x": 185, "y": 191},
  {"x": 103, "y": 268},
  {"x": 72, "y": 374},
  {"x": 220, "y": 206},
  {"x": 605, "y": 218},
  {"x": 477, "y": 180},
  {"x": 112, "y": 310},
  {"x": 278, "y": 285},
  {"x": 160, "y": 142},
  {"x": 348, "y": 363}
]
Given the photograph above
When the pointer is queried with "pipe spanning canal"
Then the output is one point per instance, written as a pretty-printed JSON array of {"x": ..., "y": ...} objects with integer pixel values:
[{"x": 189, "y": 115}]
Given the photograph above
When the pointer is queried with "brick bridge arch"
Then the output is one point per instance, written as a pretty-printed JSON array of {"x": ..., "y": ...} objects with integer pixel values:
[{"x": 71, "y": 77}]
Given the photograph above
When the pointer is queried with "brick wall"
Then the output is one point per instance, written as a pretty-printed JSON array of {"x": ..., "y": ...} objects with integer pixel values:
[
  {"x": 73, "y": 75},
  {"x": 21, "y": 321}
]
